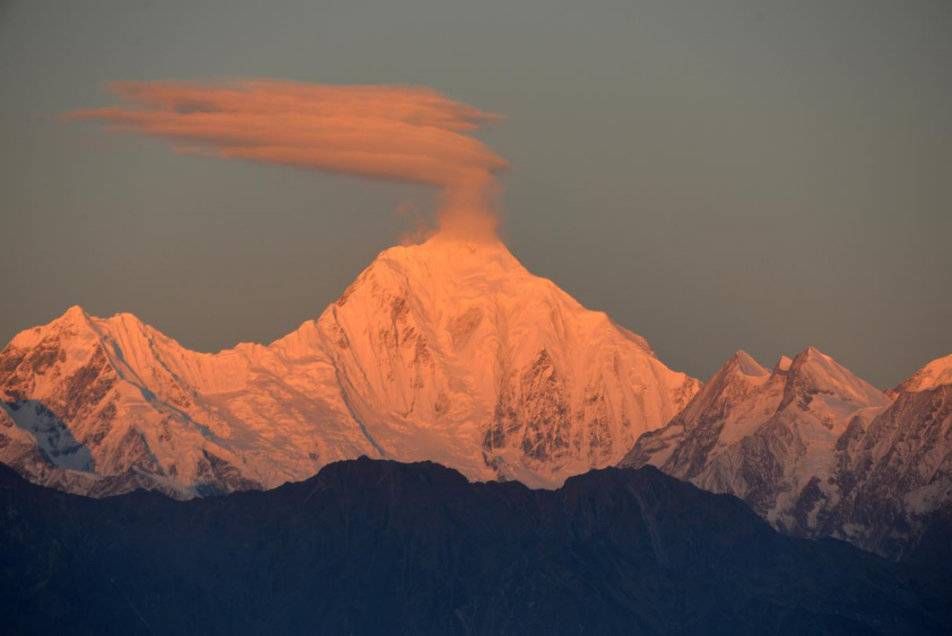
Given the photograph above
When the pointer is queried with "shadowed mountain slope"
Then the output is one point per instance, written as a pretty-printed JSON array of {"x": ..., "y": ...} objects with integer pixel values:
[{"x": 372, "y": 546}]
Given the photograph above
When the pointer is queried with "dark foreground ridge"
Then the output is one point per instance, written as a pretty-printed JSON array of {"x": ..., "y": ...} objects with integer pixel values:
[{"x": 382, "y": 547}]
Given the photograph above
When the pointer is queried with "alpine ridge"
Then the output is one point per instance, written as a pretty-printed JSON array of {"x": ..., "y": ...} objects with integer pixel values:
[
  {"x": 815, "y": 450},
  {"x": 448, "y": 350}
]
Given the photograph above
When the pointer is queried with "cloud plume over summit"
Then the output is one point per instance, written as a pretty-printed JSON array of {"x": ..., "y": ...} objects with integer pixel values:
[{"x": 401, "y": 133}]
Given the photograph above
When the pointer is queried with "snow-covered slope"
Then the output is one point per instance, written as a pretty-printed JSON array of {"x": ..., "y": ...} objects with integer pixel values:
[
  {"x": 935, "y": 374},
  {"x": 113, "y": 404},
  {"x": 814, "y": 449},
  {"x": 448, "y": 350},
  {"x": 897, "y": 471}
]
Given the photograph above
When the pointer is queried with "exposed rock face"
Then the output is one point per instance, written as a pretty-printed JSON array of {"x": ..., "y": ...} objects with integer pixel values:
[
  {"x": 815, "y": 450},
  {"x": 448, "y": 350},
  {"x": 374, "y": 547},
  {"x": 895, "y": 474}
]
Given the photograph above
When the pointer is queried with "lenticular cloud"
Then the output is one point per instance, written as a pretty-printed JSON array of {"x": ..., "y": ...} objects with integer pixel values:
[{"x": 387, "y": 132}]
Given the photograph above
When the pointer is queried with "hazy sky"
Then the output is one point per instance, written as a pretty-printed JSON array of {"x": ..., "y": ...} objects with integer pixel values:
[{"x": 715, "y": 175}]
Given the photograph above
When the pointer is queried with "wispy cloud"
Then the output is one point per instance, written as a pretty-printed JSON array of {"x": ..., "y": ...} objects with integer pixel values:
[{"x": 400, "y": 133}]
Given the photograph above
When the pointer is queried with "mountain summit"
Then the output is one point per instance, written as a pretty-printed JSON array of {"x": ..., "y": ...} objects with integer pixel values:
[
  {"x": 816, "y": 450},
  {"x": 448, "y": 350}
]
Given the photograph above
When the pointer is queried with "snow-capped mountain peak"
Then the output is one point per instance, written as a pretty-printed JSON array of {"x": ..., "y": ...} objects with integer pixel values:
[
  {"x": 747, "y": 364},
  {"x": 449, "y": 350},
  {"x": 936, "y": 373},
  {"x": 815, "y": 449},
  {"x": 761, "y": 435},
  {"x": 452, "y": 338},
  {"x": 813, "y": 375},
  {"x": 739, "y": 375}
]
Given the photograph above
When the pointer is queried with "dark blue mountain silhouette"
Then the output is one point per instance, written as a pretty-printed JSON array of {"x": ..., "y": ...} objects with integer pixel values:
[{"x": 382, "y": 547}]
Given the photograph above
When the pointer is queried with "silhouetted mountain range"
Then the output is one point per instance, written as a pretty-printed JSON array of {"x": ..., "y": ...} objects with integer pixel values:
[{"x": 370, "y": 546}]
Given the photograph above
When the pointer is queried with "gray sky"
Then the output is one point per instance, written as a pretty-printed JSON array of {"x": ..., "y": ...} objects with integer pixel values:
[{"x": 715, "y": 175}]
